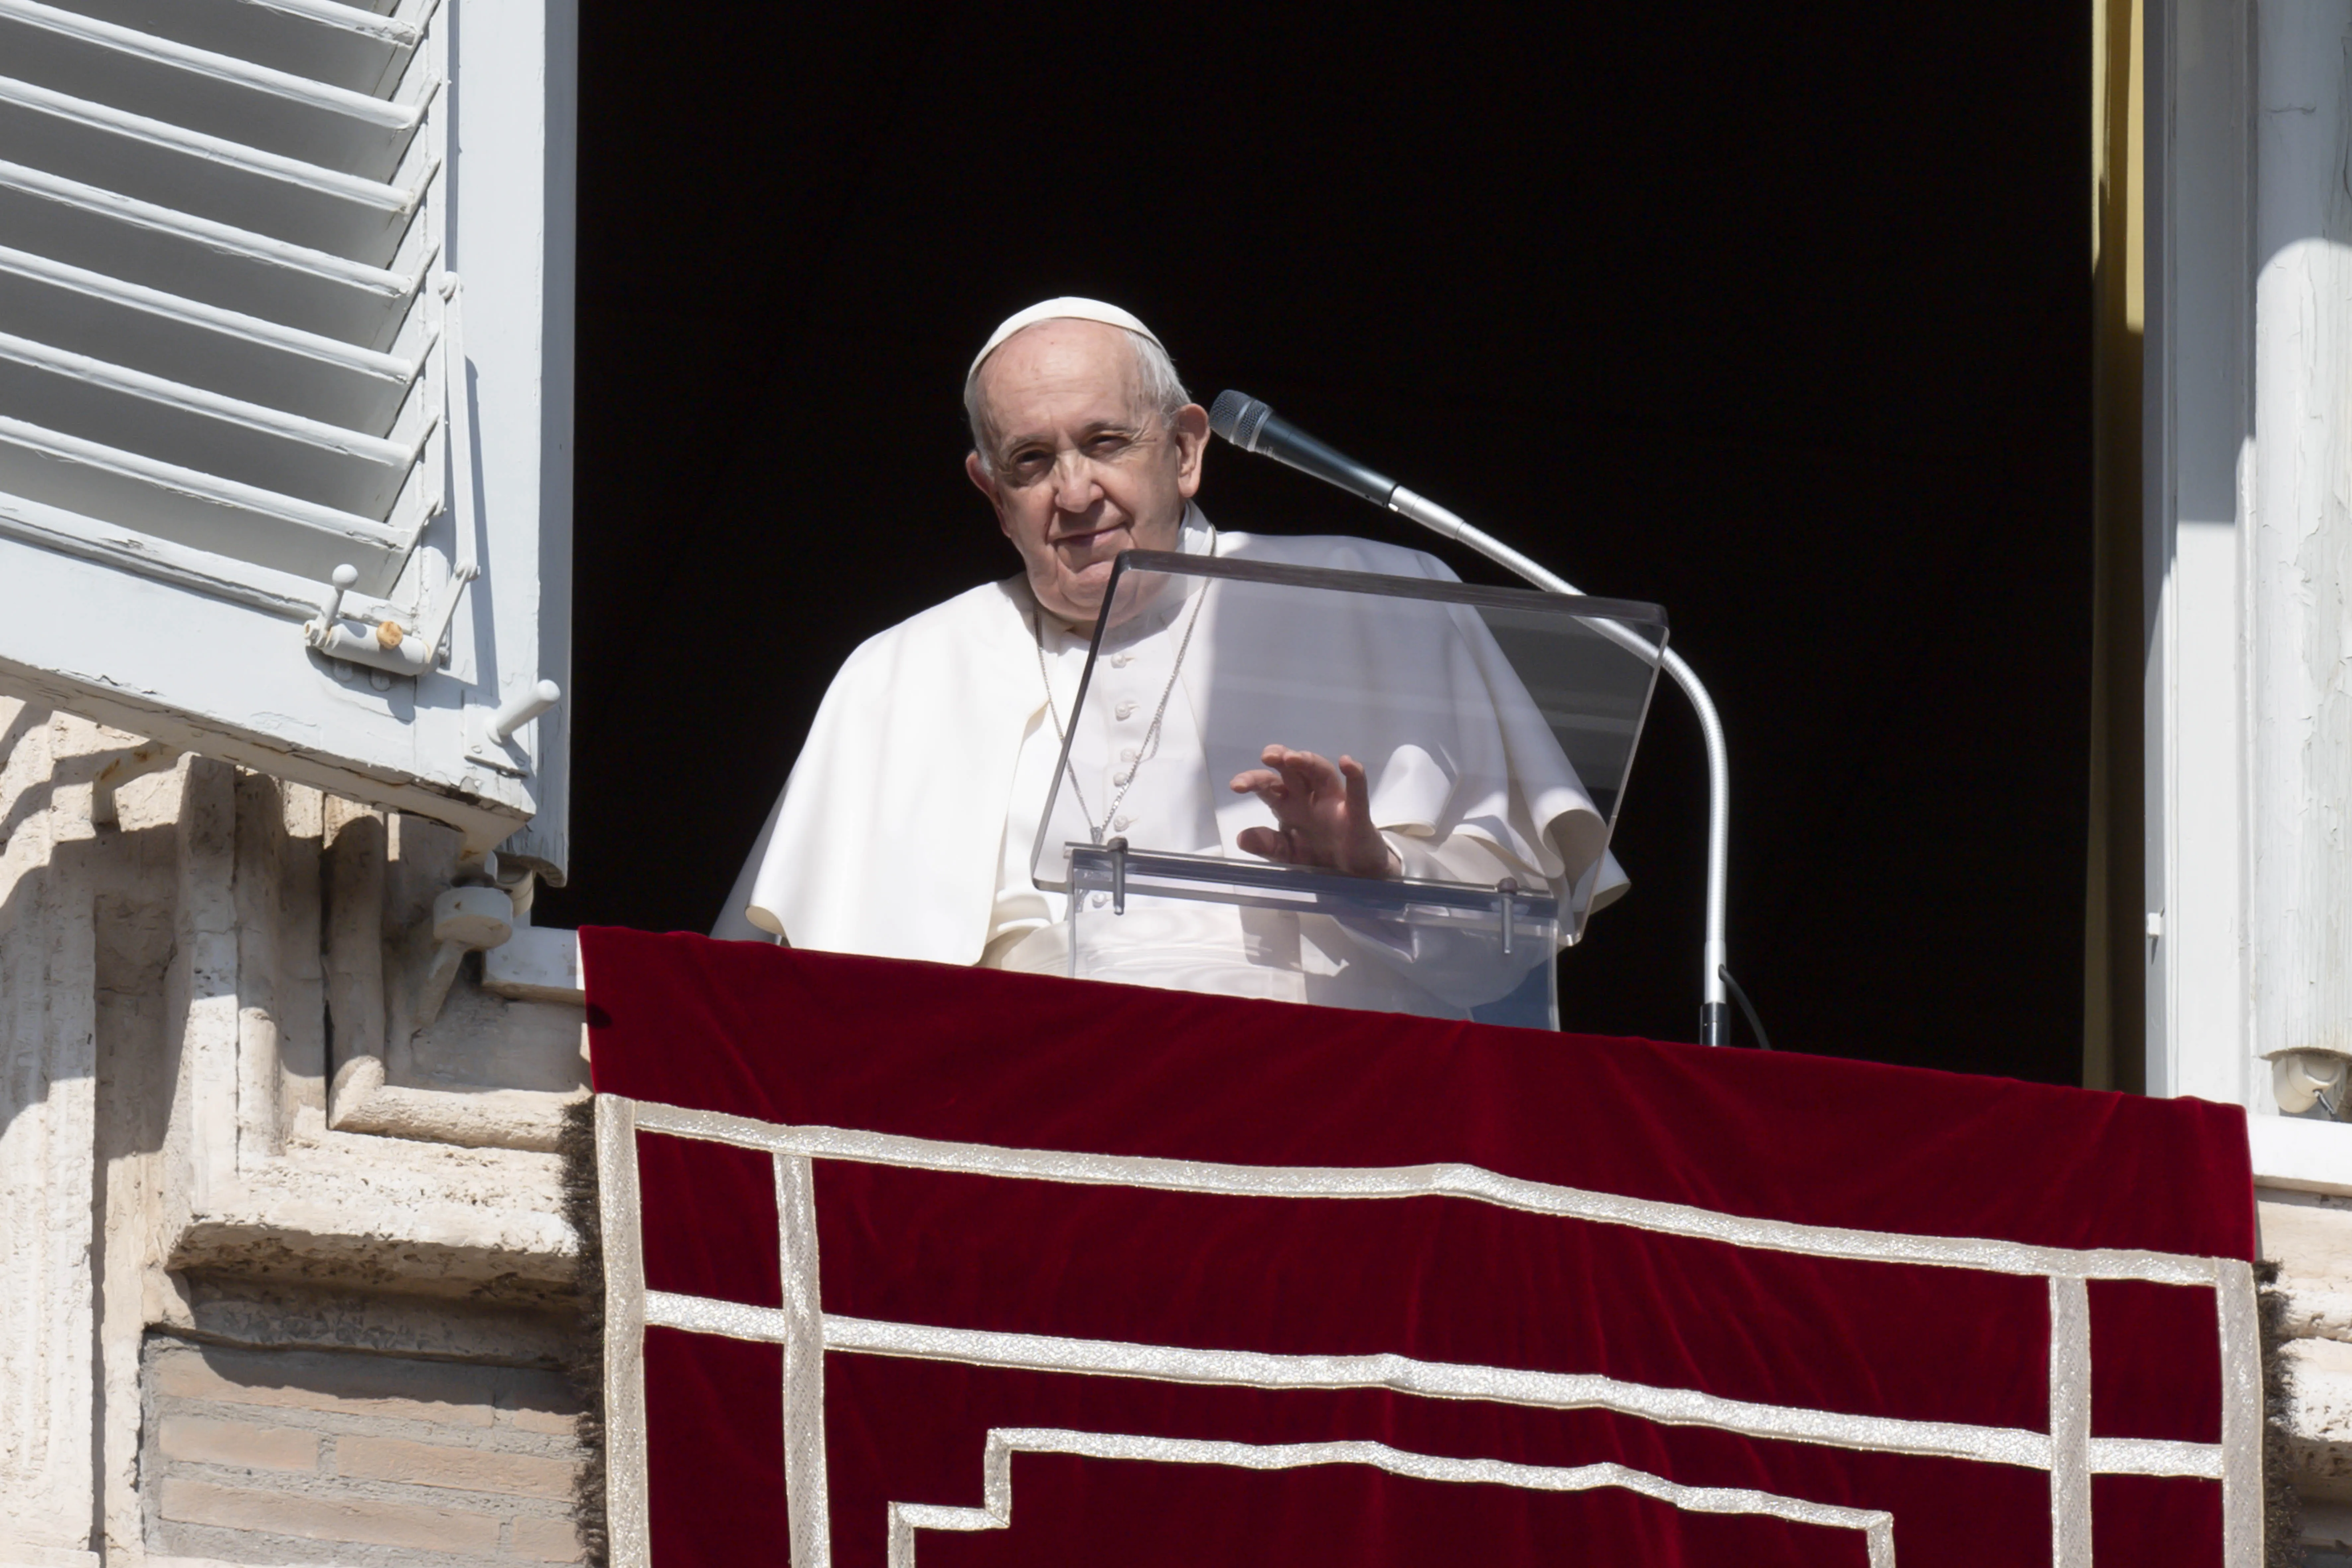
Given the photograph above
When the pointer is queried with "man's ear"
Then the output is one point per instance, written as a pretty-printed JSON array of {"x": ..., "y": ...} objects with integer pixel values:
[
  {"x": 987, "y": 483},
  {"x": 1190, "y": 428}
]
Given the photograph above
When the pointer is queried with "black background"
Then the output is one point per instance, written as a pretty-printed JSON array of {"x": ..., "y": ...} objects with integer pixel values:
[{"x": 1778, "y": 317}]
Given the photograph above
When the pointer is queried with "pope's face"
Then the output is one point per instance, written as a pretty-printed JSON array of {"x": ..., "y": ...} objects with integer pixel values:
[{"x": 1078, "y": 468}]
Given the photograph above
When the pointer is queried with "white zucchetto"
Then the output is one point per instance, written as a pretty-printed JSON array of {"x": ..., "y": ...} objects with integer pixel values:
[{"x": 1068, "y": 307}]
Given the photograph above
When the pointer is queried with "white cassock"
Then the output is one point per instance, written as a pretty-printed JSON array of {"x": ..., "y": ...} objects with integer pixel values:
[{"x": 907, "y": 827}]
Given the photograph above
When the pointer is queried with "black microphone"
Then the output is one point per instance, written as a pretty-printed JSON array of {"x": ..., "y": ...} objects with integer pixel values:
[{"x": 1254, "y": 427}]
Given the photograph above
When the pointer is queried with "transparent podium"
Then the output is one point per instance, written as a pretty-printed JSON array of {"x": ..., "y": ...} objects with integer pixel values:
[{"x": 1494, "y": 728}]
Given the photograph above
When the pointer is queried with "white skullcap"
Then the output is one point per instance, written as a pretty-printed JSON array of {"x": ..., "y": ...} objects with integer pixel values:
[{"x": 1068, "y": 307}]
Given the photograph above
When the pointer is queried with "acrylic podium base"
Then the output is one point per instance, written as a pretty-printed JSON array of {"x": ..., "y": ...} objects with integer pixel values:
[{"x": 1287, "y": 933}]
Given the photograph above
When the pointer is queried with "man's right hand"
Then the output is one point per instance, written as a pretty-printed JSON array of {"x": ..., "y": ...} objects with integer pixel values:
[{"x": 1322, "y": 812}]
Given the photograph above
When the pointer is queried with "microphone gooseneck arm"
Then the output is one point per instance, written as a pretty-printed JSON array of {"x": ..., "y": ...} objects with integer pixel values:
[{"x": 1255, "y": 427}]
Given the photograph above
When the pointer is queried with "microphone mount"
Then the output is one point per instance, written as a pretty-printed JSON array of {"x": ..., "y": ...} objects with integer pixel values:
[{"x": 1255, "y": 428}]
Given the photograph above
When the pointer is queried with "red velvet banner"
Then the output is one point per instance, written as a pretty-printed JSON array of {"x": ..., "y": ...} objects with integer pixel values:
[{"x": 1103, "y": 1274}]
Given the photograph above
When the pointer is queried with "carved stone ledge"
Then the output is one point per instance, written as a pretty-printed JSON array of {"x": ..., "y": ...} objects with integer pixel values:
[
  {"x": 520, "y": 1119},
  {"x": 538, "y": 964},
  {"x": 388, "y": 1214}
]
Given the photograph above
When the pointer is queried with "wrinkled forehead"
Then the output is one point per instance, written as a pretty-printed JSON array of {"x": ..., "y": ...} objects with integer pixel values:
[{"x": 1059, "y": 370}]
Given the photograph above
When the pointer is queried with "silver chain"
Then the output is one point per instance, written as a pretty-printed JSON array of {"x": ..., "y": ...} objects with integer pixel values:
[{"x": 1144, "y": 753}]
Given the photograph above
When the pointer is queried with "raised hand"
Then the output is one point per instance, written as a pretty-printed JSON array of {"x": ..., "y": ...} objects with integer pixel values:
[{"x": 1323, "y": 813}]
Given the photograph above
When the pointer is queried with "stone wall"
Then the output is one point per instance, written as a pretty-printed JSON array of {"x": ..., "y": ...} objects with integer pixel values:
[
  {"x": 2309, "y": 1235},
  {"x": 237, "y": 1327},
  {"x": 284, "y": 1456}
]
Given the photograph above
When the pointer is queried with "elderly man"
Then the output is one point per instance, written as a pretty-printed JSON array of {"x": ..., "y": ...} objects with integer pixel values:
[{"x": 910, "y": 821}]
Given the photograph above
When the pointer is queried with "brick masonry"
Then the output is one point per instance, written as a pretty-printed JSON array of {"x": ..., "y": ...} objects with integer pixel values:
[{"x": 256, "y": 1455}]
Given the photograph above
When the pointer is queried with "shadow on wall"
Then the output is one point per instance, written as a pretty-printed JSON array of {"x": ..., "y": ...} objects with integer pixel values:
[{"x": 93, "y": 960}]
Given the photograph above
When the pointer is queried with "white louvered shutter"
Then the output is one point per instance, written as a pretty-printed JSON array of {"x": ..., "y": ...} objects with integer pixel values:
[{"x": 284, "y": 287}]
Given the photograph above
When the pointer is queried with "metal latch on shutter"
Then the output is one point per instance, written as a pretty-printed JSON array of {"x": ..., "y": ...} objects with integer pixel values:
[{"x": 386, "y": 646}]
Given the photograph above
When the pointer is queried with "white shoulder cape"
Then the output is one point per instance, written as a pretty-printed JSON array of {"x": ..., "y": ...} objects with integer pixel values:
[{"x": 887, "y": 837}]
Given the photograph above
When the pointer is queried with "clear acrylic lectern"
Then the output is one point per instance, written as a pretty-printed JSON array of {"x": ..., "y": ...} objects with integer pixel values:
[{"x": 1495, "y": 727}]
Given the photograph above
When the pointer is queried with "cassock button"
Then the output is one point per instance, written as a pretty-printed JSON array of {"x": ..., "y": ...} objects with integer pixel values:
[
  {"x": 1127, "y": 754},
  {"x": 1124, "y": 823},
  {"x": 1121, "y": 660},
  {"x": 1099, "y": 900},
  {"x": 1123, "y": 711}
]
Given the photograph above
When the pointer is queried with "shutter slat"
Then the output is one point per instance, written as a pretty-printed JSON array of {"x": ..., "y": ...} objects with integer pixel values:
[
  {"x": 201, "y": 510},
  {"x": 199, "y": 345},
  {"x": 207, "y": 176},
  {"x": 213, "y": 94},
  {"x": 273, "y": 593},
  {"x": 153, "y": 245},
  {"x": 341, "y": 45},
  {"x": 175, "y": 423}
]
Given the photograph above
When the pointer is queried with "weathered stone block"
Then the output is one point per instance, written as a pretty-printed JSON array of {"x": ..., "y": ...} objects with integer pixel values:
[
  {"x": 453, "y": 1466},
  {"x": 447, "y": 1395},
  {"x": 555, "y": 1423},
  {"x": 243, "y": 1445},
  {"x": 368, "y": 1521},
  {"x": 544, "y": 1541}
]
